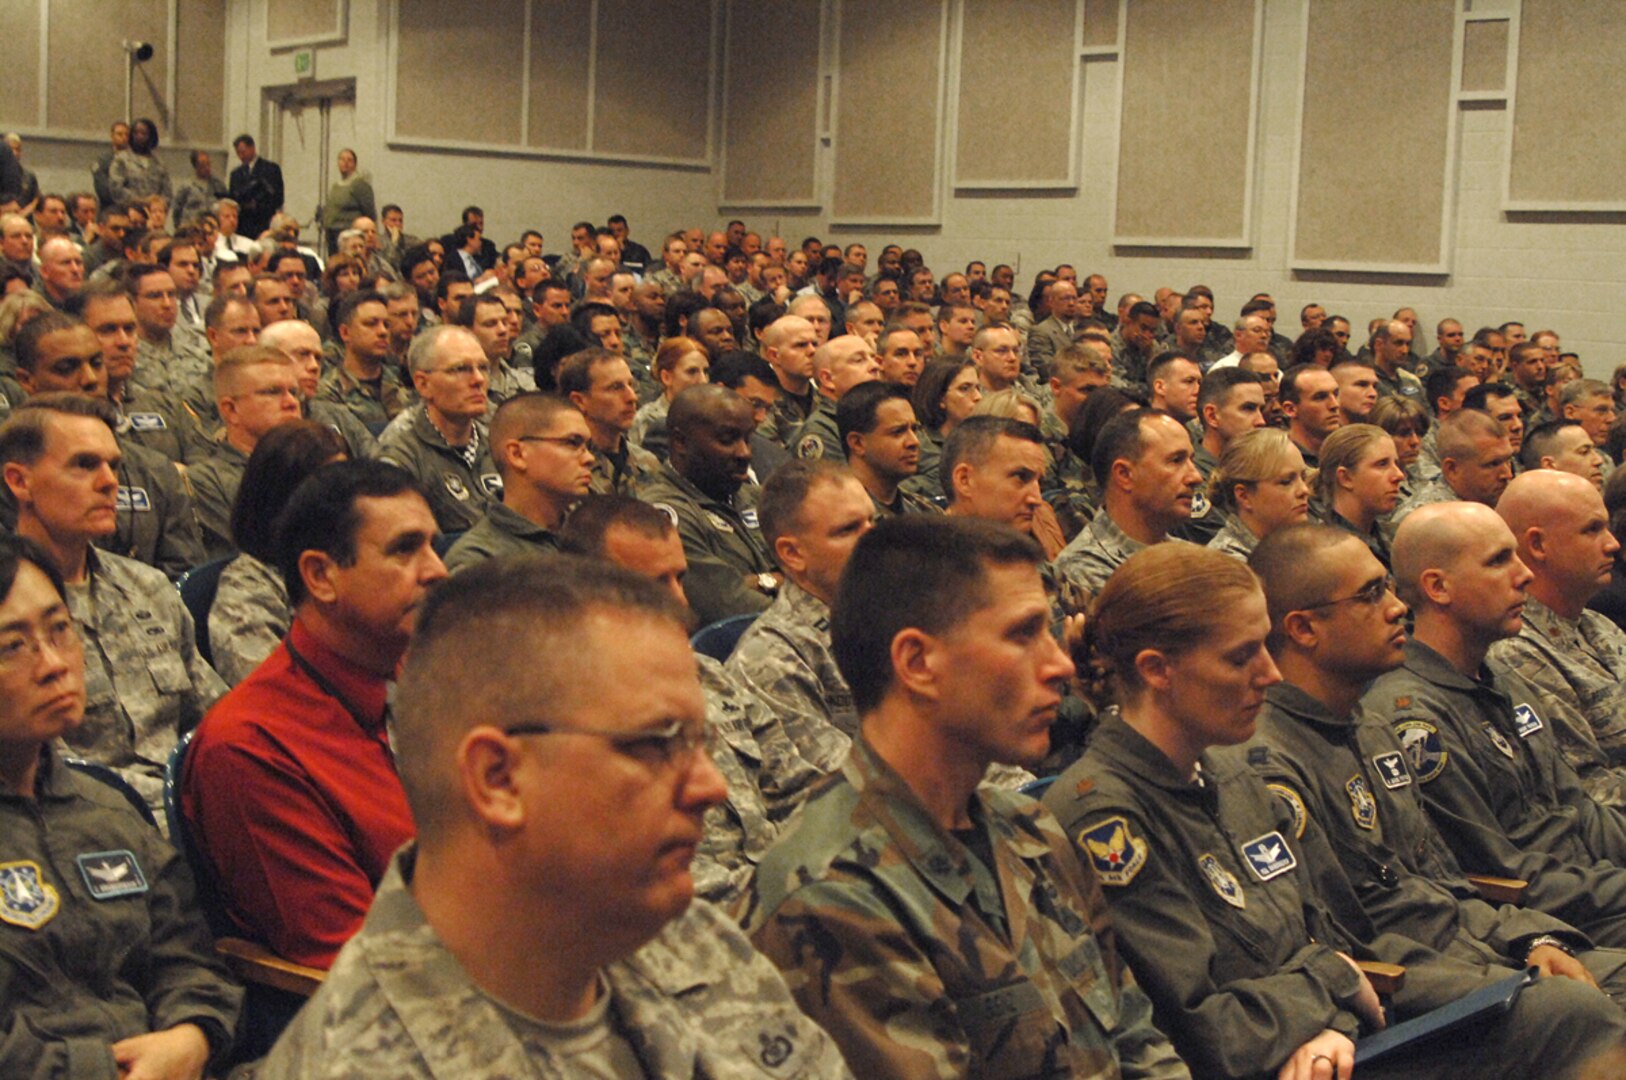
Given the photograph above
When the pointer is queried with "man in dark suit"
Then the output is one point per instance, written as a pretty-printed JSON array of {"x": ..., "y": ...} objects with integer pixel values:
[
  {"x": 486, "y": 257},
  {"x": 256, "y": 184}
]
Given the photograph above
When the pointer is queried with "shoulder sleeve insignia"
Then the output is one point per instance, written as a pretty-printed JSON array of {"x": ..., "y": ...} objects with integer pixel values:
[
  {"x": 26, "y": 898},
  {"x": 1295, "y": 805},
  {"x": 1362, "y": 805},
  {"x": 1269, "y": 856},
  {"x": 1224, "y": 882},
  {"x": 1199, "y": 504},
  {"x": 1391, "y": 769},
  {"x": 1116, "y": 855},
  {"x": 1425, "y": 751},
  {"x": 810, "y": 447},
  {"x": 1499, "y": 741},
  {"x": 666, "y": 509},
  {"x": 455, "y": 487},
  {"x": 1525, "y": 720},
  {"x": 718, "y": 521}
]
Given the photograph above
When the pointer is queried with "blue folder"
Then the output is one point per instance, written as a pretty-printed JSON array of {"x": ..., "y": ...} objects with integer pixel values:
[{"x": 1489, "y": 1001}]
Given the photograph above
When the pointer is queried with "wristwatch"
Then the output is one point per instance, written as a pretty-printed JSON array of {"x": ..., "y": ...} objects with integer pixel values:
[
  {"x": 1548, "y": 939},
  {"x": 768, "y": 583}
]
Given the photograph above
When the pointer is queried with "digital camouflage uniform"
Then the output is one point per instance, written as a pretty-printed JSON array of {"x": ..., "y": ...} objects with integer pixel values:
[
  {"x": 739, "y": 831},
  {"x": 649, "y": 427},
  {"x": 1069, "y": 487},
  {"x": 145, "y": 683},
  {"x": 904, "y": 502},
  {"x": 215, "y": 481},
  {"x": 695, "y": 1001},
  {"x": 640, "y": 357},
  {"x": 1426, "y": 494},
  {"x": 818, "y": 437},
  {"x": 342, "y": 388},
  {"x": 635, "y": 468},
  {"x": 1217, "y": 911},
  {"x": 100, "y": 933},
  {"x": 357, "y": 438},
  {"x": 249, "y": 617},
  {"x": 922, "y": 961},
  {"x": 1579, "y": 668},
  {"x": 171, "y": 365},
  {"x": 460, "y": 482},
  {"x": 1496, "y": 786},
  {"x": 507, "y": 381},
  {"x": 1128, "y": 362},
  {"x": 722, "y": 540},
  {"x": 501, "y": 531},
  {"x": 1099, "y": 549},
  {"x": 785, "y": 415},
  {"x": 1234, "y": 538},
  {"x": 784, "y": 657}
]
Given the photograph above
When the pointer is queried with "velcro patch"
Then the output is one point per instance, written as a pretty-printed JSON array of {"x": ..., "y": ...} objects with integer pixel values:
[
  {"x": 111, "y": 873},
  {"x": 810, "y": 447},
  {"x": 1295, "y": 805},
  {"x": 1499, "y": 741},
  {"x": 1526, "y": 721},
  {"x": 1362, "y": 806},
  {"x": 1224, "y": 882},
  {"x": 147, "y": 421},
  {"x": 26, "y": 898},
  {"x": 1424, "y": 749},
  {"x": 1391, "y": 769},
  {"x": 1269, "y": 856},
  {"x": 1116, "y": 855},
  {"x": 132, "y": 499}
]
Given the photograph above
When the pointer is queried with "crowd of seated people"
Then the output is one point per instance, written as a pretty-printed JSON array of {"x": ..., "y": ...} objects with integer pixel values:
[{"x": 651, "y": 661}]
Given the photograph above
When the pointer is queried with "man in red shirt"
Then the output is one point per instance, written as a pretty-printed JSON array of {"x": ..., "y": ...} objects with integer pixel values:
[{"x": 290, "y": 788}]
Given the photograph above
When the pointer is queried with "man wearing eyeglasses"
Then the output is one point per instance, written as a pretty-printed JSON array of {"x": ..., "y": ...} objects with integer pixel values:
[
  {"x": 550, "y": 739},
  {"x": 544, "y": 454},
  {"x": 290, "y": 789},
  {"x": 442, "y": 440},
  {"x": 256, "y": 389},
  {"x": 1343, "y": 773}
]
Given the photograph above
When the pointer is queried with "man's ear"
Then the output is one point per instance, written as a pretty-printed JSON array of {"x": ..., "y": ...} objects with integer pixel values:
[
  {"x": 487, "y": 763},
  {"x": 316, "y": 571},
  {"x": 16, "y": 476},
  {"x": 1299, "y": 628},
  {"x": 788, "y": 553},
  {"x": 916, "y": 661}
]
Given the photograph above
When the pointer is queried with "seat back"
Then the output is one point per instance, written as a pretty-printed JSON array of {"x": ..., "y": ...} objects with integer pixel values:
[
  {"x": 210, "y": 900},
  {"x": 112, "y": 779},
  {"x": 198, "y": 588},
  {"x": 719, "y": 638}
]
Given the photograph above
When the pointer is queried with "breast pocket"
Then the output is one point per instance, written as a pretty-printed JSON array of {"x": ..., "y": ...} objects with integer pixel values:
[
  {"x": 780, "y": 1050},
  {"x": 1012, "y": 1031}
]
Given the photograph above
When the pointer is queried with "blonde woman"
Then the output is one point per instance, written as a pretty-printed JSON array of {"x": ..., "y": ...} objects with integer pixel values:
[
  {"x": 680, "y": 362},
  {"x": 1260, "y": 486},
  {"x": 1359, "y": 483}
]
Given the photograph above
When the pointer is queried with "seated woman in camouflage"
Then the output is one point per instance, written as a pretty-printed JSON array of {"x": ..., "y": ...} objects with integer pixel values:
[{"x": 1260, "y": 486}]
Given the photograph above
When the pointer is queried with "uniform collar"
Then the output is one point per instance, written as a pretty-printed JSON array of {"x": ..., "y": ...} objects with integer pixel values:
[
  {"x": 1128, "y": 747},
  {"x": 1301, "y": 706},
  {"x": 517, "y": 524},
  {"x": 1430, "y": 666}
]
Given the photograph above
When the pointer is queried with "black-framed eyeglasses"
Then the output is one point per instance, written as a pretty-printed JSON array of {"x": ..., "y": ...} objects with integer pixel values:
[
  {"x": 1370, "y": 595},
  {"x": 673, "y": 744}
]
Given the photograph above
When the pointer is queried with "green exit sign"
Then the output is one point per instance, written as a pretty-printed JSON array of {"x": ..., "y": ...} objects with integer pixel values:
[{"x": 305, "y": 63}]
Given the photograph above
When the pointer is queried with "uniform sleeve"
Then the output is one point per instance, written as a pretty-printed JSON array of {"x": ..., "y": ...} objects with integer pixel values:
[
  {"x": 213, "y": 507},
  {"x": 204, "y": 686},
  {"x": 179, "y": 545},
  {"x": 1238, "y": 1028},
  {"x": 716, "y": 588},
  {"x": 245, "y": 626},
  {"x": 1571, "y": 728},
  {"x": 1144, "y": 1052},
  {"x": 24, "y": 1057}
]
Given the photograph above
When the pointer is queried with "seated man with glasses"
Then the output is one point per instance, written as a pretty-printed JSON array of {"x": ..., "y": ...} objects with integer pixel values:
[
  {"x": 442, "y": 439},
  {"x": 544, "y": 454},
  {"x": 550, "y": 736},
  {"x": 290, "y": 788}
]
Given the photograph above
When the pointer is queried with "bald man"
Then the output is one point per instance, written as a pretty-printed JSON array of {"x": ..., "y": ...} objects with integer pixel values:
[
  {"x": 788, "y": 344},
  {"x": 1476, "y": 463},
  {"x": 1485, "y": 759},
  {"x": 839, "y": 365},
  {"x": 1576, "y": 658}
]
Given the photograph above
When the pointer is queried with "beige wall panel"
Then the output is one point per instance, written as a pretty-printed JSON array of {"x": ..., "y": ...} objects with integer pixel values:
[
  {"x": 200, "y": 70},
  {"x": 1100, "y": 24},
  {"x": 1484, "y": 56},
  {"x": 886, "y": 143},
  {"x": 20, "y": 64},
  {"x": 1183, "y": 172},
  {"x": 770, "y": 102},
  {"x": 85, "y": 88},
  {"x": 300, "y": 20},
  {"x": 438, "y": 95},
  {"x": 1570, "y": 104},
  {"x": 1361, "y": 202},
  {"x": 561, "y": 36},
  {"x": 644, "y": 103},
  {"x": 1016, "y": 51}
]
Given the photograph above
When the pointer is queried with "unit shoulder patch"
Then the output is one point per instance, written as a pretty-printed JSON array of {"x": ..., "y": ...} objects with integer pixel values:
[
  {"x": 1116, "y": 854},
  {"x": 26, "y": 898},
  {"x": 1425, "y": 750},
  {"x": 1295, "y": 805}
]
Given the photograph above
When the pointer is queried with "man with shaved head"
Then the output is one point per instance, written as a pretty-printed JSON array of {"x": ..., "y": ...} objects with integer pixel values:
[
  {"x": 788, "y": 344},
  {"x": 1574, "y": 657},
  {"x": 1476, "y": 463},
  {"x": 1484, "y": 757},
  {"x": 703, "y": 488},
  {"x": 839, "y": 365}
]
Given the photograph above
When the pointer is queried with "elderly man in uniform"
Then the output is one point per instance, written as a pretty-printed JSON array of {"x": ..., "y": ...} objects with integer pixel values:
[
  {"x": 578, "y": 810},
  {"x": 290, "y": 787},
  {"x": 1148, "y": 478},
  {"x": 881, "y": 436},
  {"x": 838, "y": 365},
  {"x": 788, "y": 344},
  {"x": 1575, "y": 658},
  {"x": 146, "y": 683},
  {"x": 544, "y": 454},
  {"x": 813, "y": 512},
  {"x": 1487, "y": 764},
  {"x": 703, "y": 488},
  {"x": 365, "y": 382},
  {"x": 600, "y": 384},
  {"x": 905, "y": 870},
  {"x": 442, "y": 442},
  {"x": 303, "y": 345}
]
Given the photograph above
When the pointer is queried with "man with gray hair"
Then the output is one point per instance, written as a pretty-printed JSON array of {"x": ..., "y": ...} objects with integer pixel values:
[
  {"x": 1589, "y": 403},
  {"x": 1055, "y": 331},
  {"x": 1250, "y": 335}
]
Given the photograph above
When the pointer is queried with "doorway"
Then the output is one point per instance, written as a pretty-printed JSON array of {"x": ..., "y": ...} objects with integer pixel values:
[{"x": 307, "y": 125}]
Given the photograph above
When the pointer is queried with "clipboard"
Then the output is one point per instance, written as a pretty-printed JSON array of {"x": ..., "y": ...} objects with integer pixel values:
[{"x": 1484, "y": 1003}]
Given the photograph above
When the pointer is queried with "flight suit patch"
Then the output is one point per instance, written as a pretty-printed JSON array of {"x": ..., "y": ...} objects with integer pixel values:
[
  {"x": 1362, "y": 806},
  {"x": 810, "y": 447},
  {"x": 455, "y": 487},
  {"x": 1116, "y": 855},
  {"x": 1199, "y": 504},
  {"x": 132, "y": 499},
  {"x": 1424, "y": 748},
  {"x": 491, "y": 484},
  {"x": 718, "y": 522},
  {"x": 1499, "y": 741},
  {"x": 1295, "y": 805},
  {"x": 26, "y": 898},
  {"x": 1269, "y": 856},
  {"x": 1391, "y": 769},
  {"x": 668, "y": 511},
  {"x": 146, "y": 421},
  {"x": 750, "y": 519},
  {"x": 109, "y": 874},
  {"x": 1223, "y": 881},
  {"x": 1525, "y": 720}
]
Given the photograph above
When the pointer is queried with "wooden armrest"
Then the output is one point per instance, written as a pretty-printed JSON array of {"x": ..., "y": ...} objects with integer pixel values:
[
  {"x": 1385, "y": 978},
  {"x": 256, "y": 964},
  {"x": 1499, "y": 890}
]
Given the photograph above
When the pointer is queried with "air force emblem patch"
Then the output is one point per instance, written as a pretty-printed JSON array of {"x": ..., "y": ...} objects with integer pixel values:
[
  {"x": 1424, "y": 748},
  {"x": 109, "y": 874},
  {"x": 1362, "y": 806},
  {"x": 147, "y": 421},
  {"x": 1199, "y": 504},
  {"x": 1525, "y": 720},
  {"x": 810, "y": 447},
  {"x": 1391, "y": 769},
  {"x": 1224, "y": 882},
  {"x": 26, "y": 899},
  {"x": 1269, "y": 856},
  {"x": 1294, "y": 804},
  {"x": 1116, "y": 855},
  {"x": 455, "y": 487}
]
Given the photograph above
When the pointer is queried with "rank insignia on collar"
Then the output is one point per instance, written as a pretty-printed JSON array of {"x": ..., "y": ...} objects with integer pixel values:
[
  {"x": 26, "y": 898},
  {"x": 1525, "y": 720},
  {"x": 1224, "y": 882},
  {"x": 1423, "y": 747},
  {"x": 1499, "y": 741},
  {"x": 1294, "y": 804},
  {"x": 1269, "y": 856},
  {"x": 1391, "y": 769},
  {"x": 1116, "y": 855},
  {"x": 1361, "y": 804},
  {"x": 109, "y": 874}
]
